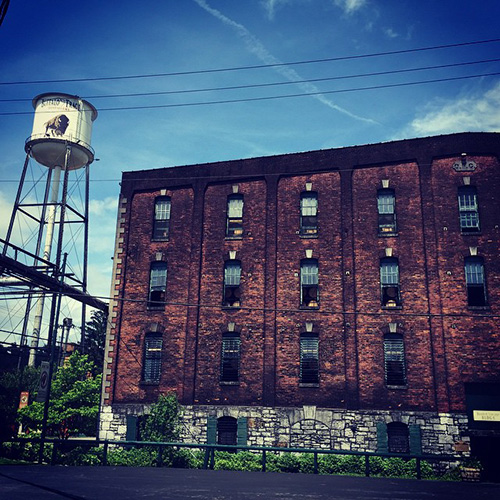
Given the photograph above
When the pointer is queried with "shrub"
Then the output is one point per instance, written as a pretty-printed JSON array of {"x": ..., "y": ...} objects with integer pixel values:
[
  {"x": 243, "y": 460},
  {"x": 132, "y": 457}
]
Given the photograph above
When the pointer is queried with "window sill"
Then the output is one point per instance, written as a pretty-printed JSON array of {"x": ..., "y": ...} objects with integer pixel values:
[
  {"x": 390, "y": 308},
  {"x": 308, "y": 308},
  {"x": 227, "y": 382},
  {"x": 309, "y": 236},
  {"x": 397, "y": 387},
  {"x": 156, "y": 308},
  {"x": 160, "y": 239},
  {"x": 470, "y": 233},
  {"x": 234, "y": 237},
  {"x": 388, "y": 235},
  {"x": 308, "y": 384},
  {"x": 230, "y": 308},
  {"x": 149, "y": 383},
  {"x": 479, "y": 308}
]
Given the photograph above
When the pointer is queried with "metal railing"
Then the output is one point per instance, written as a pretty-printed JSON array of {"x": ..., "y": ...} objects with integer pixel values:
[{"x": 61, "y": 445}]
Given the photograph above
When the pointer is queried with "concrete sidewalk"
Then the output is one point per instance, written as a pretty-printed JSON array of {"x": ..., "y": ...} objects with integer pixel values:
[{"x": 123, "y": 483}]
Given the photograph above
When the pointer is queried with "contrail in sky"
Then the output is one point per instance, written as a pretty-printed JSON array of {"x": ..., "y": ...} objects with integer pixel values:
[{"x": 255, "y": 47}]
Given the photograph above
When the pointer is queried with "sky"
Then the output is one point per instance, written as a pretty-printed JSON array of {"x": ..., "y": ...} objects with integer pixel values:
[{"x": 317, "y": 74}]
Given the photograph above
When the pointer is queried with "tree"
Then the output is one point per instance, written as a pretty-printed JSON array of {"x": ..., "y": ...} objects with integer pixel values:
[
  {"x": 95, "y": 338},
  {"x": 74, "y": 401},
  {"x": 11, "y": 384},
  {"x": 162, "y": 424}
]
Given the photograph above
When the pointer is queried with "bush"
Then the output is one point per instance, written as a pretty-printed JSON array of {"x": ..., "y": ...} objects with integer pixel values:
[
  {"x": 244, "y": 460},
  {"x": 132, "y": 457},
  {"x": 26, "y": 451}
]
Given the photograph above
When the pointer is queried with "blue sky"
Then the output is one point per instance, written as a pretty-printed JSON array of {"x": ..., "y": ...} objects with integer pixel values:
[{"x": 41, "y": 40}]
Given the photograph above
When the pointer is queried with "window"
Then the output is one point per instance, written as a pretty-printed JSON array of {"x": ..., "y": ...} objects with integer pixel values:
[
  {"x": 394, "y": 360},
  {"x": 153, "y": 344},
  {"x": 161, "y": 221},
  {"x": 232, "y": 275},
  {"x": 309, "y": 296},
  {"x": 227, "y": 430},
  {"x": 309, "y": 358},
  {"x": 234, "y": 226},
  {"x": 386, "y": 204},
  {"x": 309, "y": 214},
  {"x": 230, "y": 357},
  {"x": 467, "y": 209},
  {"x": 474, "y": 278},
  {"x": 157, "y": 284},
  {"x": 398, "y": 438},
  {"x": 389, "y": 282}
]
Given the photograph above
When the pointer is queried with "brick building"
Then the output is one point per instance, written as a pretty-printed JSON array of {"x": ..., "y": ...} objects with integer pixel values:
[{"x": 345, "y": 298}]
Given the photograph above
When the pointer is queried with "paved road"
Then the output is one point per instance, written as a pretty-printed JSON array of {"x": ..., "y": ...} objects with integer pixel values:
[{"x": 123, "y": 483}]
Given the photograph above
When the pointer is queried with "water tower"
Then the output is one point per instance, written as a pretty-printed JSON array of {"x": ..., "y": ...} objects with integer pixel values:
[{"x": 60, "y": 141}]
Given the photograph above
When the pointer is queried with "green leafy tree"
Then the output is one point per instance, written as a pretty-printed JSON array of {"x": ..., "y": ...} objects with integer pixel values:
[
  {"x": 163, "y": 422},
  {"x": 74, "y": 401},
  {"x": 12, "y": 383},
  {"x": 95, "y": 338}
]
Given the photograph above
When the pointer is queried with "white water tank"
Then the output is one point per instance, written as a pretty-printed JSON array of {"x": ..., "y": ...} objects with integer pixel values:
[{"x": 61, "y": 120}]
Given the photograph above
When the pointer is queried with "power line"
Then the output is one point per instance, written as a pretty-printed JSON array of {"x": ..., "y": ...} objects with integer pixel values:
[
  {"x": 268, "y": 98},
  {"x": 274, "y": 84},
  {"x": 258, "y": 66}
]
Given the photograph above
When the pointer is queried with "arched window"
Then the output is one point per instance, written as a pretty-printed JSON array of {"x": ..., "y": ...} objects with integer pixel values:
[
  {"x": 227, "y": 430},
  {"x": 468, "y": 209},
  {"x": 309, "y": 293},
  {"x": 161, "y": 221},
  {"x": 389, "y": 282},
  {"x": 474, "y": 277},
  {"x": 309, "y": 213},
  {"x": 230, "y": 357},
  {"x": 394, "y": 360},
  {"x": 157, "y": 285},
  {"x": 234, "y": 223},
  {"x": 232, "y": 276},
  {"x": 386, "y": 205},
  {"x": 398, "y": 438}
]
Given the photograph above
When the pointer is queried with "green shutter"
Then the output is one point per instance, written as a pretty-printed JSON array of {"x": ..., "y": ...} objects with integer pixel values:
[
  {"x": 242, "y": 431},
  {"x": 211, "y": 430},
  {"x": 131, "y": 428},
  {"x": 382, "y": 445},
  {"x": 415, "y": 440}
]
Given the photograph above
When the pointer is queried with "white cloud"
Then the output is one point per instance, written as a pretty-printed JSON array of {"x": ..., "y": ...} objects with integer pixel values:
[
  {"x": 271, "y": 6},
  {"x": 466, "y": 113},
  {"x": 350, "y": 6},
  {"x": 255, "y": 46},
  {"x": 390, "y": 33}
]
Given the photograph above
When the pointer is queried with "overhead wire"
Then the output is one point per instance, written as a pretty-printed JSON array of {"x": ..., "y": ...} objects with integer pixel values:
[
  {"x": 258, "y": 66},
  {"x": 274, "y": 84},
  {"x": 268, "y": 98}
]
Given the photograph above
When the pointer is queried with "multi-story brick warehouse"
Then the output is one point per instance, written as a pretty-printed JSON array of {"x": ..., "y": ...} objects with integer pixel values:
[{"x": 345, "y": 298}]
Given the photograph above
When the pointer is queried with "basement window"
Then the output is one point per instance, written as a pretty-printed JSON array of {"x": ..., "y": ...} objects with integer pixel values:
[
  {"x": 394, "y": 360},
  {"x": 234, "y": 223},
  {"x": 386, "y": 205},
  {"x": 227, "y": 430},
  {"x": 230, "y": 357},
  {"x": 153, "y": 344},
  {"x": 161, "y": 221},
  {"x": 468, "y": 209},
  {"x": 474, "y": 277},
  {"x": 157, "y": 285},
  {"x": 308, "y": 213},
  {"x": 309, "y": 358},
  {"x": 309, "y": 293},
  {"x": 232, "y": 277},
  {"x": 389, "y": 282},
  {"x": 398, "y": 438}
]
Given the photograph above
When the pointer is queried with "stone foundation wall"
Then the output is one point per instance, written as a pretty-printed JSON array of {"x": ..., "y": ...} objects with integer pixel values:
[{"x": 306, "y": 427}]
